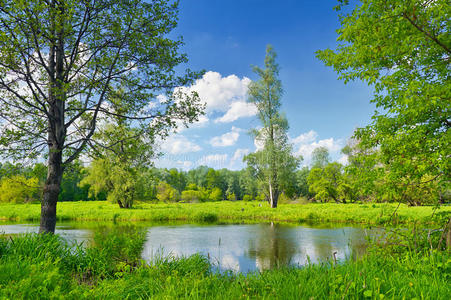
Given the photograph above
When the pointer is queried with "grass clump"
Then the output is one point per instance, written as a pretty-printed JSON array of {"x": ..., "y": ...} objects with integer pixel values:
[{"x": 205, "y": 217}]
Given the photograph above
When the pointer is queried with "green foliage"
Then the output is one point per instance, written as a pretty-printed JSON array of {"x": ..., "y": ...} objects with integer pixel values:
[
  {"x": 166, "y": 193},
  {"x": 274, "y": 165},
  {"x": 18, "y": 189},
  {"x": 71, "y": 190},
  {"x": 231, "y": 197},
  {"x": 247, "y": 198},
  {"x": 192, "y": 196},
  {"x": 320, "y": 157},
  {"x": 368, "y": 178},
  {"x": 114, "y": 179},
  {"x": 402, "y": 48},
  {"x": 69, "y": 67},
  {"x": 215, "y": 194},
  {"x": 329, "y": 183},
  {"x": 302, "y": 187}
]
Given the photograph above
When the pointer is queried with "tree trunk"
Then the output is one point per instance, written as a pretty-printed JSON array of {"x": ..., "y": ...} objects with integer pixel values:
[
  {"x": 120, "y": 204},
  {"x": 51, "y": 192},
  {"x": 273, "y": 196},
  {"x": 56, "y": 126}
]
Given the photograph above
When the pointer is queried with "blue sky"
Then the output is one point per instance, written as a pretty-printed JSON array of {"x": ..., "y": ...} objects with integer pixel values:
[{"x": 226, "y": 38}]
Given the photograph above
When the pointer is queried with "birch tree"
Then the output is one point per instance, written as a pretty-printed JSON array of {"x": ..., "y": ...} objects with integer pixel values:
[{"x": 274, "y": 163}]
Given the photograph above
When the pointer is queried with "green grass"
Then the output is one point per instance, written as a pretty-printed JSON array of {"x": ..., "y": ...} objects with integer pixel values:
[
  {"x": 227, "y": 211},
  {"x": 44, "y": 267}
]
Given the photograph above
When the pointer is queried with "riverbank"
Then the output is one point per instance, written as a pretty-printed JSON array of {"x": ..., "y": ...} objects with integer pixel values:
[
  {"x": 43, "y": 266},
  {"x": 232, "y": 211}
]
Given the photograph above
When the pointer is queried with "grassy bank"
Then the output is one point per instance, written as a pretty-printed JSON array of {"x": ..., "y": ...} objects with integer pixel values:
[
  {"x": 44, "y": 267},
  {"x": 229, "y": 211}
]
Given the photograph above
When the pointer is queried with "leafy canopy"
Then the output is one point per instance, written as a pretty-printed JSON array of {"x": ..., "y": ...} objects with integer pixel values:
[{"x": 403, "y": 49}]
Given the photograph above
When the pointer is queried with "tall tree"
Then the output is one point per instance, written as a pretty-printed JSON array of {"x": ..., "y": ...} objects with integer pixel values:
[
  {"x": 320, "y": 157},
  {"x": 403, "y": 49},
  {"x": 275, "y": 162},
  {"x": 62, "y": 63}
]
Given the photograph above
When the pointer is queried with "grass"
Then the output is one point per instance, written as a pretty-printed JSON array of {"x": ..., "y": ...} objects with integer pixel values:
[
  {"x": 228, "y": 211},
  {"x": 45, "y": 267}
]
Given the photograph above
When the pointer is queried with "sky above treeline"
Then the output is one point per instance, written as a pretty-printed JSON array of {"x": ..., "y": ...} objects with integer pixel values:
[{"x": 226, "y": 38}]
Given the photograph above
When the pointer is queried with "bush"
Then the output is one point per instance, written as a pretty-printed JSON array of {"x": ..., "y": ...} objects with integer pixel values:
[
  {"x": 247, "y": 198},
  {"x": 191, "y": 196},
  {"x": 215, "y": 194},
  {"x": 166, "y": 193}
]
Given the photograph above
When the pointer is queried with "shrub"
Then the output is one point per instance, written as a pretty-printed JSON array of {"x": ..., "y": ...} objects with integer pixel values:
[
  {"x": 215, "y": 194},
  {"x": 247, "y": 198}
]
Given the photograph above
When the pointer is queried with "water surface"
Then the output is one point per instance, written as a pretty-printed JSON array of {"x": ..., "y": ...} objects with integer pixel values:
[{"x": 235, "y": 247}]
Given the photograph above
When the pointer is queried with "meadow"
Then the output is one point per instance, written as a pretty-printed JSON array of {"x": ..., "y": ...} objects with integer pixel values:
[{"x": 232, "y": 211}]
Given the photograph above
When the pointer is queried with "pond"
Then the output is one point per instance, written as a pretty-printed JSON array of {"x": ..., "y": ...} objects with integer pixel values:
[{"x": 235, "y": 247}]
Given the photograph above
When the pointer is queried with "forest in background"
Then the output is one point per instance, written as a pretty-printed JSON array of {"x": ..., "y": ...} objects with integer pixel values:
[{"x": 324, "y": 181}]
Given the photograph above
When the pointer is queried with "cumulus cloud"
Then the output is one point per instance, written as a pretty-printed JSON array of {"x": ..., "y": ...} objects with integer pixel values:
[
  {"x": 305, "y": 138},
  {"x": 179, "y": 144},
  {"x": 223, "y": 95},
  {"x": 227, "y": 139},
  {"x": 238, "y": 110},
  {"x": 305, "y": 143}
]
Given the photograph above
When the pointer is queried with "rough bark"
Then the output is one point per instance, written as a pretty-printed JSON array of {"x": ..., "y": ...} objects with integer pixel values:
[
  {"x": 51, "y": 192},
  {"x": 56, "y": 130}
]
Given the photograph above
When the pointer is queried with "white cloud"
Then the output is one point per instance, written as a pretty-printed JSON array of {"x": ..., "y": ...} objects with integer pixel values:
[
  {"x": 305, "y": 138},
  {"x": 227, "y": 139},
  {"x": 238, "y": 110},
  {"x": 236, "y": 162},
  {"x": 217, "y": 161},
  {"x": 178, "y": 144},
  {"x": 305, "y": 143},
  {"x": 224, "y": 95}
]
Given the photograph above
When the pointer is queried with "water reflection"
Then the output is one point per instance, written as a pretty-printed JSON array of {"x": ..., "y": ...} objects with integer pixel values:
[
  {"x": 244, "y": 248},
  {"x": 240, "y": 248},
  {"x": 68, "y": 233}
]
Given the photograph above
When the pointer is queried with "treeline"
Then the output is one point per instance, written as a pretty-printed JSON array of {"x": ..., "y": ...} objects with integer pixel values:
[{"x": 363, "y": 179}]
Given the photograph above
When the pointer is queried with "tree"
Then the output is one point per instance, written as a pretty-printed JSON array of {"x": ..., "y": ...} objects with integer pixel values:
[
  {"x": 302, "y": 187},
  {"x": 403, "y": 49},
  {"x": 71, "y": 189},
  {"x": 320, "y": 157},
  {"x": 215, "y": 194},
  {"x": 121, "y": 160},
  {"x": 166, "y": 193},
  {"x": 274, "y": 164},
  {"x": 18, "y": 189},
  {"x": 329, "y": 183},
  {"x": 176, "y": 179},
  {"x": 62, "y": 64}
]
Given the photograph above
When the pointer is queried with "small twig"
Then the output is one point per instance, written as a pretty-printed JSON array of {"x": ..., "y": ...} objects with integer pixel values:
[{"x": 399, "y": 204}]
